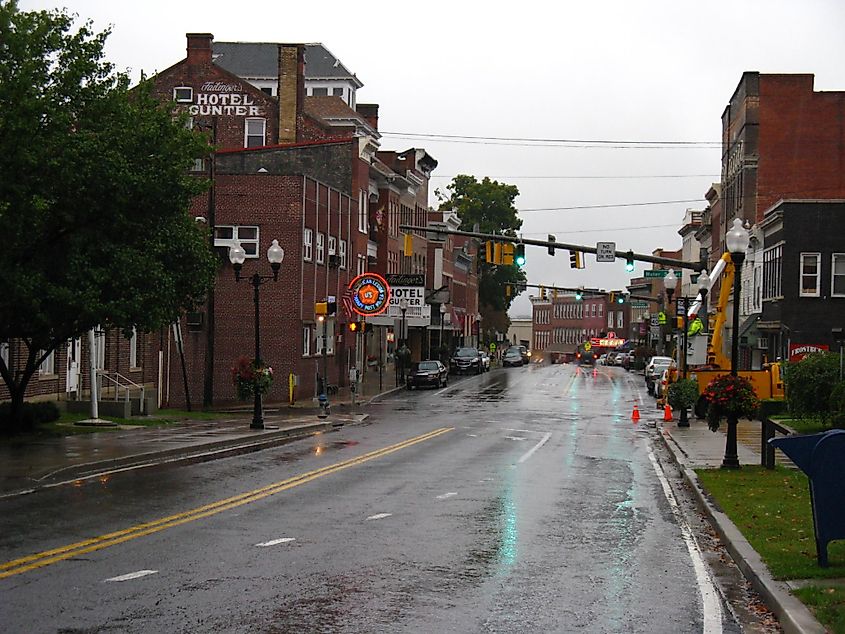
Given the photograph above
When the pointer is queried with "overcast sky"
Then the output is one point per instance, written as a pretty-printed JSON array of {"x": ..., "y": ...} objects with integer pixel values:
[{"x": 595, "y": 71}]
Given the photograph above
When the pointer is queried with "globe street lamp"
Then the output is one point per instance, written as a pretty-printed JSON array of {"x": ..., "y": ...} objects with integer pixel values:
[
  {"x": 736, "y": 241},
  {"x": 275, "y": 254}
]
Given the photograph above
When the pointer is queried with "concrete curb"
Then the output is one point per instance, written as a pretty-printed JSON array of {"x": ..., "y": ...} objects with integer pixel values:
[{"x": 794, "y": 616}]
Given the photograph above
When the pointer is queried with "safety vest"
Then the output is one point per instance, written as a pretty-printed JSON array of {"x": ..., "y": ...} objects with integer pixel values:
[{"x": 695, "y": 327}]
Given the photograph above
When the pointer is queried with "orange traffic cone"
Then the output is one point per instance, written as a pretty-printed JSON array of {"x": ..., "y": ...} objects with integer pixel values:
[
  {"x": 635, "y": 415},
  {"x": 667, "y": 412}
]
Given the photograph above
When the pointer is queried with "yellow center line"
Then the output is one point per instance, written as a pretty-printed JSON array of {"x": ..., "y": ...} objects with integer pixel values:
[{"x": 48, "y": 557}]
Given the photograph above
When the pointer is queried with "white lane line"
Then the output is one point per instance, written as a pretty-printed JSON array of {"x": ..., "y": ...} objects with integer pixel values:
[
  {"x": 711, "y": 605},
  {"x": 379, "y": 516},
  {"x": 531, "y": 451},
  {"x": 524, "y": 431},
  {"x": 276, "y": 542},
  {"x": 473, "y": 435},
  {"x": 134, "y": 575},
  {"x": 515, "y": 438},
  {"x": 447, "y": 495}
]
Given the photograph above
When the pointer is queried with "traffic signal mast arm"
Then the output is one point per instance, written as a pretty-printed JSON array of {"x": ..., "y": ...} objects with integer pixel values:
[{"x": 639, "y": 257}]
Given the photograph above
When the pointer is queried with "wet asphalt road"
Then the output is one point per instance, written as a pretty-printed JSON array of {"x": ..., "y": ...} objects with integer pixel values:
[{"x": 522, "y": 500}]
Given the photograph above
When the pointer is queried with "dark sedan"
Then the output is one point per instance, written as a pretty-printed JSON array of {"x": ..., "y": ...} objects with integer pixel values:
[
  {"x": 428, "y": 374},
  {"x": 512, "y": 357},
  {"x": 467, "y": 360}
]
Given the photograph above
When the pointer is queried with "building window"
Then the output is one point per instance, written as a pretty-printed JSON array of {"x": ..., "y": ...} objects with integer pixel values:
[
  {"x": 772, "y": 267},
  {"x": 601, "y": 310},
  {"x": 363, "y": 211},
  {"x": 307, "y": 247},
  {"x": 320, "y": 92},
  {"x": 337, "y": 92},
  {"x": 198, "y": 165},
  {"x": 342, "y": 254},
  {"x": 837, "y": 274},
  {"x": 321, "y": 248},
  {"x": 620, "y": 320},
  {"x": 306, "y": 341},
  {"x": 230, "y": 235},
  {"x": 183, "y": 94},
  {"x": 48, "y": 365},
  {"x": 267, "y": 91},
  {"x": 362, "y": 264},
  {"x": 810, "y": 274},
  {"x": 254, "y": 132},
  {"x": 609, "y": 319},
  {"x": 4, "y": 352},
  {"x": 133, "y": 348},
  {"x": 332, "y": 245}
]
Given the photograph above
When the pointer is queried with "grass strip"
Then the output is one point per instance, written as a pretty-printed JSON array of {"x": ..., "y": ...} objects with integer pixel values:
[{"x": 772, "y": 509}]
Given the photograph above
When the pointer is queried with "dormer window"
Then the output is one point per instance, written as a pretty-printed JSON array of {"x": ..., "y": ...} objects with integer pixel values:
[{"x": 183, "y": 94}]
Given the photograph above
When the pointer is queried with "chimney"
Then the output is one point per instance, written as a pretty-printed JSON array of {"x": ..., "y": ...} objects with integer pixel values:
[
  {"x": 370, "y": 113},
  {"x": 199, "y": 48},
  {"x": 291, "y": 90}
]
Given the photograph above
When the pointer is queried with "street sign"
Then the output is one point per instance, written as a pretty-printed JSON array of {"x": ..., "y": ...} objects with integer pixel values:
[
  {"x": 639, "y": 304},
  {"x": 655, "y": 321},
  {"x": 661, "y": 273},
  {"x": 605, "y": 251},
  {"x": 431, "y": 233}
]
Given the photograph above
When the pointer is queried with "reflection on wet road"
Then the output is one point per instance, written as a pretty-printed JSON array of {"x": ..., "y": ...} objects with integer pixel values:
[{"x": 540, "y": 511}]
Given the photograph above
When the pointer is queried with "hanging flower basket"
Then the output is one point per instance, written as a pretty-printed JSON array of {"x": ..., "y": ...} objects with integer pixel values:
[
  {"x": 249, "y": 375},
  {"x": 728, "y": 395}
]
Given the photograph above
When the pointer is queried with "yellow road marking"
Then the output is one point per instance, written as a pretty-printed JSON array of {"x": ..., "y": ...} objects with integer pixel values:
[{"x": 38, "y": 560}]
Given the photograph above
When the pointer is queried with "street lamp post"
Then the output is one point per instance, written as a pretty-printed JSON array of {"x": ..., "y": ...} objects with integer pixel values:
[
  {"x": 403, "y": 306},
  {"x": 275, "y": 254},
  {"x": 670, "y": 282},
  {"x": 737, "y": 242}
]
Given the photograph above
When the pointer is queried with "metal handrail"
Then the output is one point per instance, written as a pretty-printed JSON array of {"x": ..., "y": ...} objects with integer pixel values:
[{"x": 118, "y": 385}]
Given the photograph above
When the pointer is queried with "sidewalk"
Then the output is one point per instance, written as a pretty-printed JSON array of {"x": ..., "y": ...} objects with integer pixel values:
[
  {"x": 51, "y": 461},
  {"x": 696, "y": 447}
]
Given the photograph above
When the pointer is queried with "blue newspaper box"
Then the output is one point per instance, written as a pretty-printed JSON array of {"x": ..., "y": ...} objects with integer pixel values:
[{"x": 822, "y": 458}]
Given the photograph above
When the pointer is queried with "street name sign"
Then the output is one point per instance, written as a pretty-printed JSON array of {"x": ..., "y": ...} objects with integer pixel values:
[{"x": 661, "y": 273}]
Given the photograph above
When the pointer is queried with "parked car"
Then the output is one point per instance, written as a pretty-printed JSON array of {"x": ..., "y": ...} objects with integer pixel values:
[
  {"x": 526, "y": 354},
  {"x": 603, "y": 359},
  {"x": 512, "y": 357},
  {"x": 485, "y": 360},
  {"x": 467, "y": 360},
  {"x": 611, "y": 358},
  {"x": 429, "y": 373},
  {"x": 655, "y": 370}
]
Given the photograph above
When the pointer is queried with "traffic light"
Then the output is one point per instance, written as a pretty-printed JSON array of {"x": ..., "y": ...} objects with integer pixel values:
[
  {"x": 579, "y": 295},
  {"x": 542, "y": 292},
  {"x": 408, "y": 245},
  {"x": 354, "y": 326},
  {"x": 508, "y": 290},
  {"x": 520, "y": 255},
  {"x": 629, "y": 261},
  {"x": 321, "y": 308},
  {"x": 612, "y": 297},
  {"x": 331, "y": 306},
  {"x": 507, "y": 253},
  {"x": 551, "y": 248},
  {"x": 489, "y": 252},
  {"x": 620, "y": 298},
  {"x": 576, "y": 260},
  {"x": 497, "y": 253}
]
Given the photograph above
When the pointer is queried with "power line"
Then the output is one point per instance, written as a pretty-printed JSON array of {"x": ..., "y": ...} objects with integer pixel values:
[
  {"x": 658, "y": 202},
  {"x": 551, "y": 142},
  {"x": 600, "y": 177},
  {"x": 604, "y": 230}
]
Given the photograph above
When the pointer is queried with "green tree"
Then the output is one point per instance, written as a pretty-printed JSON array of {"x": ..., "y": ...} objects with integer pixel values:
[
  {"x": 94, "y": 193},
  {"x": 488, "y": 207}
]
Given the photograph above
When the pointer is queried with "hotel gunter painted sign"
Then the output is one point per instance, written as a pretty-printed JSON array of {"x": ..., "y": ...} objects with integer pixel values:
[{"x": 221, "y": 98}]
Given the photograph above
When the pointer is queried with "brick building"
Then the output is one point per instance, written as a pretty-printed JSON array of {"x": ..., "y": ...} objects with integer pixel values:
[{"x": 561, "y": 322}]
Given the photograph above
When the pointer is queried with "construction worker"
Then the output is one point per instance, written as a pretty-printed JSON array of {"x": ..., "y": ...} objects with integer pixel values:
[{"x": 696, "y": 327}]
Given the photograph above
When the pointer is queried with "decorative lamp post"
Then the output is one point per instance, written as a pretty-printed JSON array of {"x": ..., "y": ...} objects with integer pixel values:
[
  {"x": 669, "y": 284},
  {"x": 478, "y": 330},
  {"x": 736, "y": 241},
  {"x": 275, "y": 255},
  {"x": 403, "y": 306}
]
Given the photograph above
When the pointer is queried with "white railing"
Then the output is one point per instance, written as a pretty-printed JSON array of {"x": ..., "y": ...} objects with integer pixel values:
[{"x": 121, "y": 382}]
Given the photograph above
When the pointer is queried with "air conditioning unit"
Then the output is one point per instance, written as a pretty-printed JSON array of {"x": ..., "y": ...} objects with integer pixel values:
[{"x": 194, "y": 321}]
